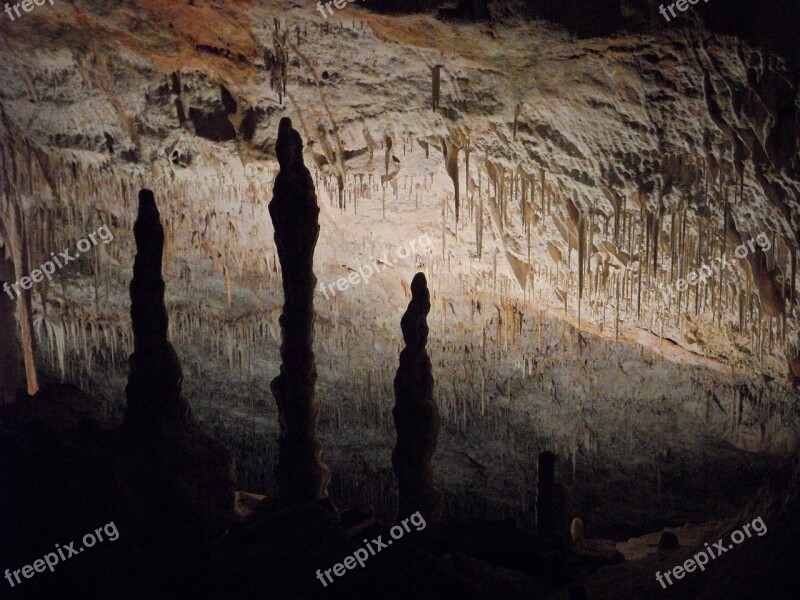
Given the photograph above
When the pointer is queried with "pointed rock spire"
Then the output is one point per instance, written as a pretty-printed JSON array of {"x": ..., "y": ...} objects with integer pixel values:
[
  {"x": 301, "y": 474},
  {"x": 155, "y": 378},
  {"x": 416, "y": 416}
]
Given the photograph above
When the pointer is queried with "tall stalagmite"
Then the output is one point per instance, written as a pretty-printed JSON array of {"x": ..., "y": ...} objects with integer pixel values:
[
  {"x": 416, "y": 416},
  {"x": 175, "y": 476},
  {"x": 155, "y": 379},
  {"x": 301, "y": 474}
]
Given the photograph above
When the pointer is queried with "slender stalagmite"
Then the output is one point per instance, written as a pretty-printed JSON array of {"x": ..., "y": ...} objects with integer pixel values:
[
  {"x": 301, "y": 474},
  {"x": 155, "y": 402},
  {"x": 168, "y": 460},
  {"x": 416, "y": 416}
]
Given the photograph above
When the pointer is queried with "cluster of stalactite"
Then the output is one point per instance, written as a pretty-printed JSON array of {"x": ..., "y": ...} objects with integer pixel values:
[
  {"x": 52, "y": 200},
  {"x": 613, "y": 255},
  {"x": 23, "y": 186},
  {"x": 362, "y": 187},
  {"x": 617, "y": 254},
  {"x": 608, "y": 265},
  {"x": 515, "y": 344},
  {"x": 77, "y": 342},
  {"x": 466, "y": 398},
  {"x": 621, "y": 257},
  {"x": 277, "y": 59}
]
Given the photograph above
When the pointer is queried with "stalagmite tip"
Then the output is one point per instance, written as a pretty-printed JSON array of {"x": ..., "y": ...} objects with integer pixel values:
[
  {"x": 419, "y": 286},
  {"x": 147, "y": 201},
  {"x": 289, "y": 146}
]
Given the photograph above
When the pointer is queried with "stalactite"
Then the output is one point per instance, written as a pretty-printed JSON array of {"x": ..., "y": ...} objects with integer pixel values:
[
  {"x": 793, "y": 276},
  {"x": 387, "y": 152},
  {"x": 517, "y": 113},
  {"x": 479, "y": 226},
  {"x": 467, "y": 147},
  {"x": 277, "y": 60},
  {"x": 12, "y": 219},
  {"x": 450, "y": 148},
  {"x": 9, "y": 353},
  {"x": 793, "y": 359},
  {"x": 436, "y": 81}
]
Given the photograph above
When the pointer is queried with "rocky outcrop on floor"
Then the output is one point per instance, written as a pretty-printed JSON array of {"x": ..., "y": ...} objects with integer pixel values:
[{"x": 762, "y": 566}]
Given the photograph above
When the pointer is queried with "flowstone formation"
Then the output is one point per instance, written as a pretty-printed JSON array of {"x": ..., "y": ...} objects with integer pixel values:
[
  {"x": 301, "y": 474},
  {"x": 416, "y": 416}
]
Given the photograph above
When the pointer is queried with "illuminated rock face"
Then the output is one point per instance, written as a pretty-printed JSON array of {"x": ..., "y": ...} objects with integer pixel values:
[
  {"x": 301, "y": 475},
  {"x": 592, "y": 176}
]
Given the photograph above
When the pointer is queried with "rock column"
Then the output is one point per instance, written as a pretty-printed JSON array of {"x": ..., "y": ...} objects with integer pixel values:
[
  {"x": 155, "y": 378},
  {"x": 301, "y": 474},
  {"x": 416, "y": 416},
  {"x": 175, "y": 478}
]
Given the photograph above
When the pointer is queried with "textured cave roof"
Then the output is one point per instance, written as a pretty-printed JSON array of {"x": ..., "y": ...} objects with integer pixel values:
[{"x": 649, "y": 117}]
